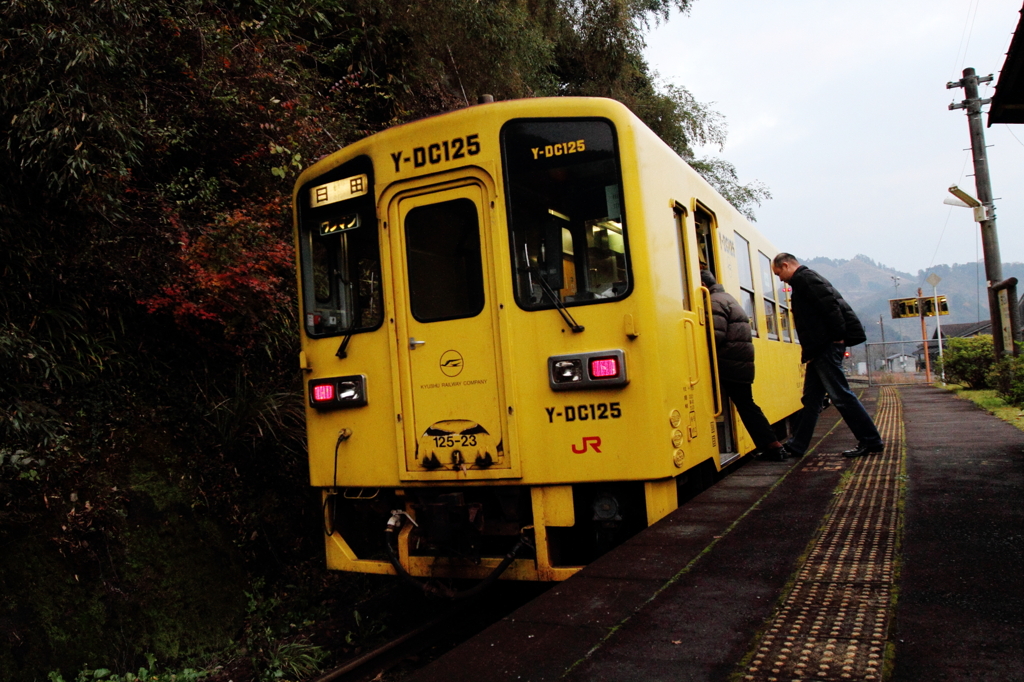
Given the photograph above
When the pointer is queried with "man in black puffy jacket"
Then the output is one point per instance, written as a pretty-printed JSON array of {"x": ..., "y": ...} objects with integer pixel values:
[
  {"x": 735, "y": 351},
  {"x": 826, "y": 325}
]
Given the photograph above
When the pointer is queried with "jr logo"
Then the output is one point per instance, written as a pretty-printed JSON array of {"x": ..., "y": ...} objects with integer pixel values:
[{"x": 588, "y": 441}]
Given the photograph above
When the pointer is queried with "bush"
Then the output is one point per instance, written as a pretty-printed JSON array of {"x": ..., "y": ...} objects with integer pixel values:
[
  {"x": 1007, "y": 378},
  {"x": 968, "y": 361},
  {"x": 144, "y": 675}
]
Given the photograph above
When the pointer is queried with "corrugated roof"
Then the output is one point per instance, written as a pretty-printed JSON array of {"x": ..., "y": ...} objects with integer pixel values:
[
  {"x": 962, "y": 329},
  {"x": 1008, "y": 100}
]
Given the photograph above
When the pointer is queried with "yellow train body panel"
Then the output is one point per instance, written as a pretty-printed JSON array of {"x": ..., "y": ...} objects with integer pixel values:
[{"x": 504, "y": 336}]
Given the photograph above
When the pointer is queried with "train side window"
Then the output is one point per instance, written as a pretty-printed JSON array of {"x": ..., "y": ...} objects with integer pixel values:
[
  {"x": 684, "y": 261},
  {"x": 339, "y": 252},
  {"x": 567, "y": 227},
  {"x": 770, "y": 300},
  {"x": 746, "y": 273},
  {"x": 442, "y": 243},
  {"x": 783, "y": 292},
  {"x": 703, "y": 222}
]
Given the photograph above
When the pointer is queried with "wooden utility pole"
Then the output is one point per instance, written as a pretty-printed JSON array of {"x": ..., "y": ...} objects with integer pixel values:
[{"x": 983, "y": 185}]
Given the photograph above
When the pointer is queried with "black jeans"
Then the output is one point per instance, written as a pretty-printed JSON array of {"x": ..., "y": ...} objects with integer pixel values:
[
  {"x": 753, "y": 418},
  {"x": 825, "y": 376}
]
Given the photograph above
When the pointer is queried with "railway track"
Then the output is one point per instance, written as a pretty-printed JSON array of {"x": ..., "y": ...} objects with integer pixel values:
[{"x": 420, "y": 644}]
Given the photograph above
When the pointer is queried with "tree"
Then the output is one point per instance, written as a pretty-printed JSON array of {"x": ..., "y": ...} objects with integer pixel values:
[{"x": 598, "y": 48}]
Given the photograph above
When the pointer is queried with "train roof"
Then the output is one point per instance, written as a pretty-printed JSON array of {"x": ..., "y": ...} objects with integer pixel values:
[{"x": 531, "y": 107}]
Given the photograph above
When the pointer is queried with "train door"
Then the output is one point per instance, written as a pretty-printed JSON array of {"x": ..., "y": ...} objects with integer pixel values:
[
  {"x": 706, "y": 232},
  {"x": 703, "y": 390},
  {"x": 452, "y": 397}
]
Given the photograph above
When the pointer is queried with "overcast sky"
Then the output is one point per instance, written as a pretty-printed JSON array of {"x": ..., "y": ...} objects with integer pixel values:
[{"x": 841, "y": 109}]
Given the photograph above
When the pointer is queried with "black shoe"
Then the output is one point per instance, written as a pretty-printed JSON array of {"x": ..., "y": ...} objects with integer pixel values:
[
  {"x": 791, "y": 452},
  {"x": 778, "y": 454},
  {"x": 862, "y": 450}
]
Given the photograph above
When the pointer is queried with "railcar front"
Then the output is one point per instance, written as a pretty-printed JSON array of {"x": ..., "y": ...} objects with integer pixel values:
[{"x": 488, "y": 388}]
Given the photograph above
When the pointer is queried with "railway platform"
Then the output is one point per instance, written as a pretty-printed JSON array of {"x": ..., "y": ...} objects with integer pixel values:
[{"x": 907, "y": 565}]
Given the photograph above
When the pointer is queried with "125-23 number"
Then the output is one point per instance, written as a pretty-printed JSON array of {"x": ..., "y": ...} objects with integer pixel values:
[{"x": 465, "y": 440}]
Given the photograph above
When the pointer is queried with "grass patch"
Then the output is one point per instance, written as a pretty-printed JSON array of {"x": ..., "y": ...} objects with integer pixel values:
[{"x": 987, "y": 400}]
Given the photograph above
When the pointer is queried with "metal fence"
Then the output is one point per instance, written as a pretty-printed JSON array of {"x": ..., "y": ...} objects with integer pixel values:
[{"x": 895, "y": 362}]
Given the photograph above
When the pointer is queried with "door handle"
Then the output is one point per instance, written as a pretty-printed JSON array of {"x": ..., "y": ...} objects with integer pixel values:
[
  {"x": 692, "y": 360},
  {"x": 716, "y": 381},
  {"x": 413, "y": 343}
]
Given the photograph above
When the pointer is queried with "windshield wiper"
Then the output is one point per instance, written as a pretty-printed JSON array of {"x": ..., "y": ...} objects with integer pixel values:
[
  {"x": 562, "y": 310},
  {"x": 343, "y": 348}
]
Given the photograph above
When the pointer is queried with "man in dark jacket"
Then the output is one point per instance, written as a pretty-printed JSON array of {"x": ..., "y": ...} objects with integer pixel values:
[
  {"x": 826, "y": 325},
  {"x": 735, "y": 351}
]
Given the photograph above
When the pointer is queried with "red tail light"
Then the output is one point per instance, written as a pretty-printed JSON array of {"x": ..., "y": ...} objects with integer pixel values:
[
  {"x": 323, "y": 393},
  {"x": 602, "y": 368},
  {"x": 338, "y": 392}
]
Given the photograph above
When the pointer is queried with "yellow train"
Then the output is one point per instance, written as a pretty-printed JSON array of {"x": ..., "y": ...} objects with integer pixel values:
[{"x": 507, "y": 349}]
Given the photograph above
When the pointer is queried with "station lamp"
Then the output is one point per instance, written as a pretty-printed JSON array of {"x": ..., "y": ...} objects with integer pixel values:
[{"x": 980, "y": 213}]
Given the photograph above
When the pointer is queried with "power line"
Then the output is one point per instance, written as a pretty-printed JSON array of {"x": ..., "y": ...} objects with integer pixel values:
[
  {"x": 948, "y": 213},
  {"x": 958, "y": 64},
  {"x": 939, "y": 243},
  {"x": 1010, "y": 130}
]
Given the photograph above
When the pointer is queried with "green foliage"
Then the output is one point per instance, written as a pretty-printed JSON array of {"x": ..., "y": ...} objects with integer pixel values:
[
  {"x": 681, "y": 121},
  {"x": 288, "y": 659},
  {"x": 150, "y": 674},
  {"x": 21, "y": 464},
  {"x": 598, "y": 48},
  {"x": 968, "y": 360},
  {"x": 1006, "y": 376},
  {"x": 242, "y": 414},
  {"x": 69, "y": 126},
  {"x": 365, "y": 630},
  {"x": 449, "y": 52},
  {"x": 273, "y": 654},
  {"x": 723, "y": 177}
]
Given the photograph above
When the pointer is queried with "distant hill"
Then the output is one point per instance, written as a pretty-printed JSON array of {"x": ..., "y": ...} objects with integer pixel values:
[{"x": 868, "y": 286}]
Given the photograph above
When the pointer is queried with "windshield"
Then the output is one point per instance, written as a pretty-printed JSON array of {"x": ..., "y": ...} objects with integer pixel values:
[
  {"x": 339, "y": 251},
  {"x": 566, "y": 222}
]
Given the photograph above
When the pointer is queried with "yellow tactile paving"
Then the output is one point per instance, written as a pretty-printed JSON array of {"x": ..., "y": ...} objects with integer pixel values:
[{"x": 833, "y": 622}]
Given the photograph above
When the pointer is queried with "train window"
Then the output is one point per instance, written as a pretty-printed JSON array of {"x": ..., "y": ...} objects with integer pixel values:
[
  {"x": 339, "y": 252},
  {"x": 567, "y": 228},
  {"x": 783, "y": 291},
  {"x": 743, "y": 267},
  {"x": 770, "y": 301},
  {"x": 442, "y": 243},
  {"x": 703, "y": 221}
]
